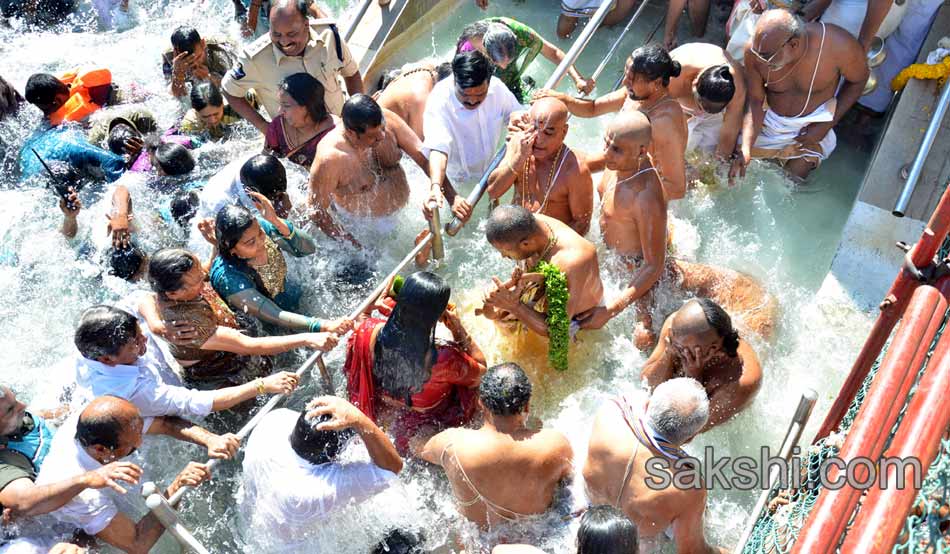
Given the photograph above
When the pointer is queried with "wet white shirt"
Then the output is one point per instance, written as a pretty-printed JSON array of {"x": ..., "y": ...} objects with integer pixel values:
[
  {"x": 91, "y": 510},
  {"x": 284, "y": 495},
  {"x": 469, "y": 138}
]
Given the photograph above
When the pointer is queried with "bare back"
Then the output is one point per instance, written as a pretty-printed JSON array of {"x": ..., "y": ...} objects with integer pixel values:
[
  {"x": 406, "y": 96},
  {"x": 577, "y": 258},
  {"x": 695, "y": 58},
  {"x": 498, "y": 477},
  {"x": 612, "y": 444},
  {"x": 668, "y": 148}
]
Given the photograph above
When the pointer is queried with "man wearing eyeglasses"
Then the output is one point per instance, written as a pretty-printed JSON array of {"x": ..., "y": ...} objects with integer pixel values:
[{"x": 795, "y": 67}]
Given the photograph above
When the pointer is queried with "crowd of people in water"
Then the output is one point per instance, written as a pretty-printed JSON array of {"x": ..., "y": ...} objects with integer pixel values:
[{"x": 222, "y": 303}]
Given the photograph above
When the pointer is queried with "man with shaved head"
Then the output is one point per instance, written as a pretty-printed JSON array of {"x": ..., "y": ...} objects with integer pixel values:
[
  {"x": 106, "y": 431},
  {"x": 795, "y": 68},
  {"x": 294, "y": 44},
  {"x": 632, "y": 217},
  {"x": 699, "y": 341},
  {"x": 632, "y": 432},
  {"x": 548, "y": 178}
]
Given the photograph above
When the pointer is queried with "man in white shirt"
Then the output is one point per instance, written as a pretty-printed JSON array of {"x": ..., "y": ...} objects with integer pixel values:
[
  {"x": 292, "y": 479},
  {"x": 464, "y": 120},
  {"x": 107, "y": 430},
  {"x": 114, "y": 360}
]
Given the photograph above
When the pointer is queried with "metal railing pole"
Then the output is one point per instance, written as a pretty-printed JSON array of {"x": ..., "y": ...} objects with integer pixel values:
[
  {"x": 918, "y": 165},
  {"x": 356, "y": 20},
  {"x": 620, "y": 37},
  {"x": 274, "y": 400},
  {"x": 792, "y": 436},
  {"x": 435, "y": 230},
  {"x": 168, "y": 517},
  {"x": 456, "y": 224}
]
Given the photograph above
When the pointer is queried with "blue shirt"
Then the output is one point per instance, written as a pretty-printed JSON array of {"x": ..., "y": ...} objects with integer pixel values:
[{"x": 71, "y": 146}]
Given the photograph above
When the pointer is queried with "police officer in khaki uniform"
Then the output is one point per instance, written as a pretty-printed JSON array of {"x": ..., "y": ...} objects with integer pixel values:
[{"x": 294, "y": 45}]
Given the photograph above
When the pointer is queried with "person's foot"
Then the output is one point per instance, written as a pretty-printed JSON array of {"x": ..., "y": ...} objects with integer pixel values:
[{"x": 643, "y": 338}]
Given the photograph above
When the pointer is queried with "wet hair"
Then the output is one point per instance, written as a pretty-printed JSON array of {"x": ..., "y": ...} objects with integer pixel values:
[
  {"x": 678, "y": 409},
  {"x": 185, "y": 39},
  {"x": 654, "y": 62},
  {"x": 42, "y": 89},
  {"x": 500, "y": 42},
  {"x": 174, "y": 159},
  {"x": 361, "y": 113},
  {"x": 167, "y": 267},
  {"x": 386, "y": 78},
  {"x": 716, "y": 86},
  {"x": 719, "y": 319},
  {"x": 103, "y": 331},
  {"x": 184, "y": 206},
  {"x": 505, "y": 390},
  {"x": 230, "y": 223},
  {"x": 510, "y": 225},
  {"x": 265, "y": 174},
  {"x": 472, "y": 30},
  {"x": 606, "y": 530},
  {"x": 118, "y": 135},
  {"x": 308, "y": 92},
  {"x": 206, "y": 94},
  {"x": 126, "y": 261},
  {"x": 405, "y": 348},
  {"x": 317, "y": 447},
  {"x": 443, "y": 70},
  {"x": 471, "y": 69},
  {"x": 398, "y": 541}
]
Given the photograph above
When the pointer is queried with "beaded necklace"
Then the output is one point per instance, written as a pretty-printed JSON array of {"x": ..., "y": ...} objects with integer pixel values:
[{"x": 551, "y": 178}]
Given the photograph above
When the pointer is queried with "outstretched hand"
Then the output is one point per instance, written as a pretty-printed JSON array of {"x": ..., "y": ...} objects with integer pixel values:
[{"x": 110, "y": 475}]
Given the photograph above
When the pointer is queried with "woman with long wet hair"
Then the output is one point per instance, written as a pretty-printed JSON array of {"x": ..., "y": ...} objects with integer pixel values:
[{"x": 398, "y": 370}]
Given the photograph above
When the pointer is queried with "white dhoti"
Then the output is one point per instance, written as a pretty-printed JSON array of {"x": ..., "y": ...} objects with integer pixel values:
[
  {"x": 581, "y": 9},
  {"x": 777, "y": 138},
  {"x": 704, "y": 131}
]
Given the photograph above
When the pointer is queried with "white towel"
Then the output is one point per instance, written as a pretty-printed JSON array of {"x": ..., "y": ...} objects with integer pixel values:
[
  {"x": 704, "y": 131},
  {"x": 779, "y": 133}
]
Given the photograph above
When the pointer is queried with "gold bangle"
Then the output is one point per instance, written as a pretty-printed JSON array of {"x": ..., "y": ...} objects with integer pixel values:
[{"x": 260, "y": 387}]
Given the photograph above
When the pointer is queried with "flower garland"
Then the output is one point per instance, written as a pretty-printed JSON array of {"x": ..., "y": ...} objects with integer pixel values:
[
  {"x": 559, "y": 326},
  {"x": 937, "y": 71}
]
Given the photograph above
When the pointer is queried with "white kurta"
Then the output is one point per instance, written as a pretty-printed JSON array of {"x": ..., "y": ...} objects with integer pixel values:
[
  {"x": 469, "y": 138},
  {"x": 285, "y": 496}
]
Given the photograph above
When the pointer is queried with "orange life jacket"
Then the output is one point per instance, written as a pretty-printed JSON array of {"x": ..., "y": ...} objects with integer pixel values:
[{"x": 80, "y": 104}]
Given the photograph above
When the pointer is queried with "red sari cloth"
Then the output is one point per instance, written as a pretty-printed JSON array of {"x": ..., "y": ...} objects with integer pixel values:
[{"x": 448, "y": 398}]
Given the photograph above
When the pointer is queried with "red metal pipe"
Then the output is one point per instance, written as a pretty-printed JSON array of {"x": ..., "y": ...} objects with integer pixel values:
[
  {"x": 892, "y": 308},
  {"x": 884, "y": 511},
  {"x": 888, "y": 393}
]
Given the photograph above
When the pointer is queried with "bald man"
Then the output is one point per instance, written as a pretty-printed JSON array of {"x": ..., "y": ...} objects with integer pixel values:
[
  {"x": 795, "y": 68},
  {"x": 711, "y": 90},
  {"x": 699, "y": 341},
  {"x": 633, "y": 216},
  {"x": 633, "y": 221},
  {"x": 548, "y": 178},
  {"x": 108, "y": 430}
]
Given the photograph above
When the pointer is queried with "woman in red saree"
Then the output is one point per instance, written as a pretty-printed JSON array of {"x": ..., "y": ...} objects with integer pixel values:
[{"x": 398, "y": 372}]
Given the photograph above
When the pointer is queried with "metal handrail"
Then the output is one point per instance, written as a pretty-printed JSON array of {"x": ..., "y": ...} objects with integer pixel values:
[
  {"x": 900, "y": 208},
  {"x": 356, "y": 20},
  {"x": 456, "y": 224},
  {"x": 792, "y": 436}
]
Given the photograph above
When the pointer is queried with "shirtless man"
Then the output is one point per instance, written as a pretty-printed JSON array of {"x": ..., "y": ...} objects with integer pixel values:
[
  {"x": 633, "y": 216},
  {"x": 406, "y": 94},
  {"x": 531, "y": 238},
  {"x": 711, "y": 91},
  {"x": 547, "y": 176},
  {"x": 502, "y": 471},
  {"x": 795, "y": 68},
  {"x": 356, "y": 168},
  {"x": 698, "y": 341},
  {"x": 646, "y": 88},
  {"x": 631, "y": 429}
]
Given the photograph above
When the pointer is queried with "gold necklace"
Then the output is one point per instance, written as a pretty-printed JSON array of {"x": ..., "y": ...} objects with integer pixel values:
[
  {"x": 524, "y": 180},
  {"x": 552, "y": 242}
]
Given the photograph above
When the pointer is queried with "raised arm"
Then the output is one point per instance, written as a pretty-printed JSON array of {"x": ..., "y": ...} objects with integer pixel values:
[
  {"x": 556, "y": 56},
  {"x": 219, "y": 446},
  {"x": 227, "y": 339},
  {"x": 504, "y": 176},
  {"x": 24, "y": 498},
  {"x": 659, "y": 366},
  {"x": 609, "y": 103},
  {"x": 344, "y": 415}
]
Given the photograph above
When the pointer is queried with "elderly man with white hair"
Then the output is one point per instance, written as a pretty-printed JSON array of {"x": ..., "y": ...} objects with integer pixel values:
[{"x": 631, "y": 430}]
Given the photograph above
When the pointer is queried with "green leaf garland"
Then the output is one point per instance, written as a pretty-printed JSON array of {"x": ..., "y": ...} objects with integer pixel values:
[{"x": 559, "y": 325}]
